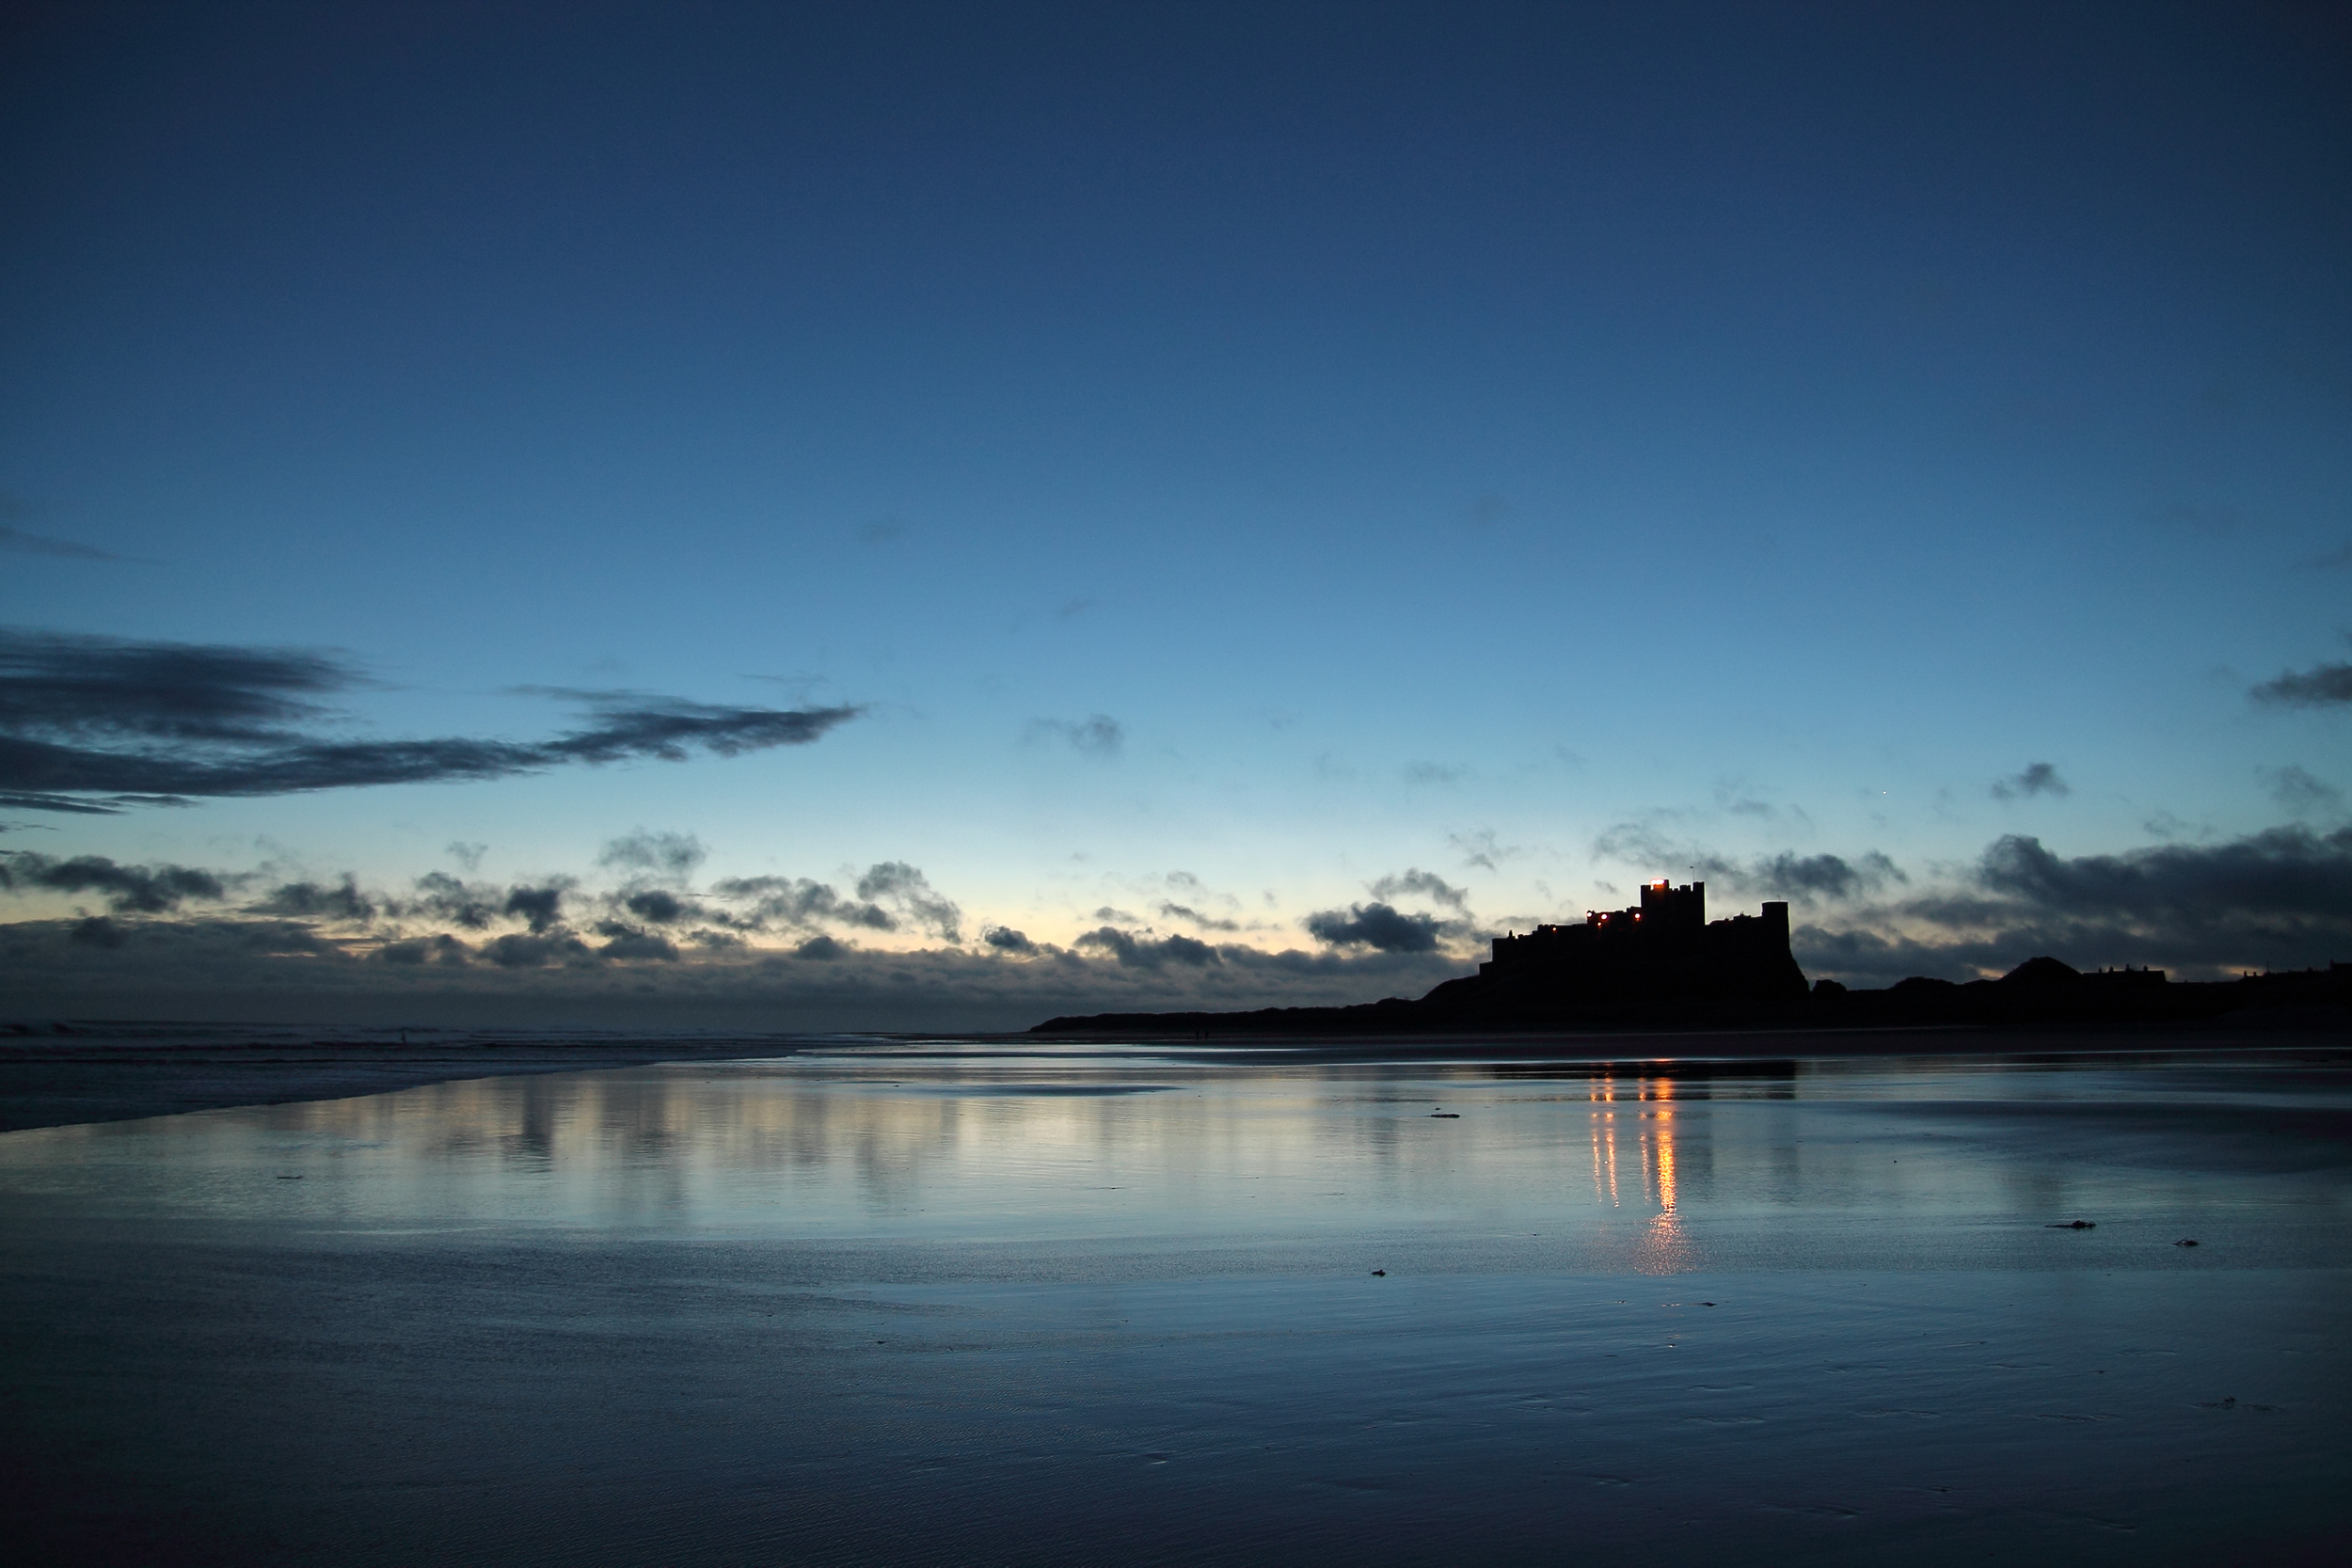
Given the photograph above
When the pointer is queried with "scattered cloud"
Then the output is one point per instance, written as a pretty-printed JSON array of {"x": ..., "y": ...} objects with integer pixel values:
[
  {"x": 1799, "y": 879},
  {"x": 2039, "y": 778},
  {"x": 541, "y": 907},
  {"x": 1379, "y": 926},
  {"x": 2300, "y": 793},
  {"x": 1098, "y": 734},
  {"x": 1804, "y": 878},
  {"x": 1483, "y": 850},
  {"x": 904, "y": 888},
  {"x": 881, "y": 530},
  {"x": 467, "y": 855},
  {"x": 798, "y": 903},
  {"x": 2337, "y": 560},
  {"x": 1184, "y": 911},
  {"x": 97, "y": 725},
  {"x": 335, "y": 901},
  {"x": 127, "y": 889},
  {"x": 1422, "y": 773},
  {"x": 1428, "y": 884},
  {"x": 666, "y": 857},
  {"x": 16, "y": 509},
  {"x": 660, "y": 907},
  {"x": 2321, "y": 686}
]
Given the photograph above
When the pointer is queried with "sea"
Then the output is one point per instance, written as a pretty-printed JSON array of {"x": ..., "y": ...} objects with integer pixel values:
[{"x": 952, "y": 1302}]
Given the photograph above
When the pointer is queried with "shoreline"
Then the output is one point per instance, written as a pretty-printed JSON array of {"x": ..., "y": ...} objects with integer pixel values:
[{"x": 133, "y": 1073}]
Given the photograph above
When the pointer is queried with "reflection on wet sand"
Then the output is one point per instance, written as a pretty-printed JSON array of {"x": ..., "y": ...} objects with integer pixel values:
[
  {"x": 1652, "y": 1131},
  {"x": 1643, "y": 1168}
]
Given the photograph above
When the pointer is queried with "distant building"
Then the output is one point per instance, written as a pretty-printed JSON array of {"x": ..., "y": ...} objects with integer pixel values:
[{"x": 1662, "y": 947}]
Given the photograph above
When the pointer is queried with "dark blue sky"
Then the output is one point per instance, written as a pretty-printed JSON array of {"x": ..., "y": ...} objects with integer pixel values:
[{"x": 1272, "y": 446}]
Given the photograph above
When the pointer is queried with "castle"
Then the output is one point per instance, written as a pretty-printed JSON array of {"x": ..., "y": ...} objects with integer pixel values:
[{"x": 1663, "y": 949}]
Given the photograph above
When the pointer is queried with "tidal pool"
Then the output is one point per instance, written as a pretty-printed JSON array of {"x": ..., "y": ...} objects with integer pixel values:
[{"x": 946, "y": 1303}]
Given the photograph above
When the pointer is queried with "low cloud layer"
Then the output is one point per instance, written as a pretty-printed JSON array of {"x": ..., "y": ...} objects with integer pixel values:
[
  {"x": 884, "y": 948},
  {"x": 2276, "y": 899},
  {"x": 772, "y": 952},
  {"x": 97, "y": 725}
]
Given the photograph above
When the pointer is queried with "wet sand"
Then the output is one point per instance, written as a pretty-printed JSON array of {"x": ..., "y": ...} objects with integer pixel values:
[
  {"x": 115, "y": 1073},
  {"x": 916, "y": 1303}
]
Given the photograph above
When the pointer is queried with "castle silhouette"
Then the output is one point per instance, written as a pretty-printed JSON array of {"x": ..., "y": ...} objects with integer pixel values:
[{"x": 1662, "y": 949}]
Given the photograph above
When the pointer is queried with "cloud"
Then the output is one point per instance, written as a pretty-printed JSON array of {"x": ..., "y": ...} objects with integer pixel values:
[
  {"x": 1434, "y": 773},
  {"x": 1800, "y": 879},
  {"x": 2337, "y": 560},
  {"x": 1098, "y": 734},
  {"x": 36, "y": 544},
  {"x": 2321, "y": 686},
  {"x": 799, "y": 902},
  {"x": 516, "y": 951},
  {"x": 1426, "y": 883},
  {"x": 822, "y": 949},
  {"x": 670, "y": 857},
  {"x": 1149, "y": 952},
  {"x": 468, "y": 905},
  {"x": 127, "y": 889},
  {"x": 442, "y": 949},
  {"x": 2300, "y": 793},
  {"x": 341, "y": 900},
  {"x": 2280, "y": 899},
  {"x": 2283, "y": 872},
  {"x": 541, "y": 907},
  {"x": 902, "y": 885},
  {"x": 467, "y": 855},
  {"x": 1185, "y": 911},
  {"x": 15, "y": 509},
  {"x": 660, "y": 907},
  {"x": 1379, "y": 927},
  {"x": 98, "y": 931},
  {"x": 1809, "y": 876},
  {"x": 1003, "y": 939},
  {"x": 97, "y": 725},
  {"x": 628, "y": 943},
  {"x": 2039, "y": 778},
  {"x": 1481, "y": 848}
]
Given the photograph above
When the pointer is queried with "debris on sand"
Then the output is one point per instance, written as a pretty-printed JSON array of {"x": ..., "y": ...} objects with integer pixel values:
[
  {"x": 2074, "y": 1225},
  {"x": 1379, "y": 1274},
  {"x": 2184, "y": 1244},
  {"x": 1445, "y": 1116}
]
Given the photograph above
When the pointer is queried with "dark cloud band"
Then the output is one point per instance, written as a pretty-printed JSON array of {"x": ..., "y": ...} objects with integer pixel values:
[{"x": 96, "y": 725}]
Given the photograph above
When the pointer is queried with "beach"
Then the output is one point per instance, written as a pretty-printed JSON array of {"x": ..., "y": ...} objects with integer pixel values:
[{"x": 953, "y": 1302}]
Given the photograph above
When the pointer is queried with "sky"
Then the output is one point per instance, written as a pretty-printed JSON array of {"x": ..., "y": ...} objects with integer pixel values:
[{"x": 920, "y": 517}]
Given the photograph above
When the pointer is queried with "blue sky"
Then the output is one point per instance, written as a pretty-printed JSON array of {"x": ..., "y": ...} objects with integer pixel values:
[{"x": 1226, "y": 458}]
